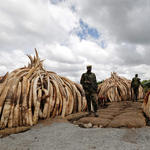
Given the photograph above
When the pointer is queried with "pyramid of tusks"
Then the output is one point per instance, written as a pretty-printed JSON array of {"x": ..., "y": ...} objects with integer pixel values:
[
  {"x": 30, "y": 93},
  {"x": 117, "y": 88},
  {"x": 146, "y": 104}
]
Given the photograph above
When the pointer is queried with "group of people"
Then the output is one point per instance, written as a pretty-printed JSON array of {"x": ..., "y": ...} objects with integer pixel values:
[{"x": 89, "y": 83}]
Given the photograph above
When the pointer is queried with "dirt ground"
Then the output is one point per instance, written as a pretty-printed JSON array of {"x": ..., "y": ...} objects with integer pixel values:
[{"x": 122, "y": 114}]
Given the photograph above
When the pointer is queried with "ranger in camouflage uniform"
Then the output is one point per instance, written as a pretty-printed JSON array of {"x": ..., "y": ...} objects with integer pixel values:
[
  {"x": 89, "y": 83},
  {"x": 135, "y": 86}
]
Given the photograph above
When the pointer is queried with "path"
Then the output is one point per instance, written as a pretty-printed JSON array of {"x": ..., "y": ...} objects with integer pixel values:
[{"x": 118, "y": 114}]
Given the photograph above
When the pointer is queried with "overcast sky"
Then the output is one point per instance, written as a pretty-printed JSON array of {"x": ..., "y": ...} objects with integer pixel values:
[{"x": 110, "y": 35}]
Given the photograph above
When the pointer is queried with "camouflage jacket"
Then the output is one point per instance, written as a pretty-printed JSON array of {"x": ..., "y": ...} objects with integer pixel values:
[
  {"x": 86, "y": 86},
  {"x": 135, "y": 82}
]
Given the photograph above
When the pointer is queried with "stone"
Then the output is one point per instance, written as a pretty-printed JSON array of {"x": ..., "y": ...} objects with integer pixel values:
[
  {"x": 96, "y": 126},
  {"x": 100, "y": 126},
  {"x": 89, "y": 125},
  {"x": 94, "y": 121},
  {"x": 74, "y": 122}
]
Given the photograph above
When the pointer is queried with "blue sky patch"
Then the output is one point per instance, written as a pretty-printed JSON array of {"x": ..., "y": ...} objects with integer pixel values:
[
  {"x": 102, "y": 44},
  {"x": 54, "y": 2},
  {"x": 93, "y": 32},
  {"x": 73, "y": 8},
  {"x": 86, "y": 30}
]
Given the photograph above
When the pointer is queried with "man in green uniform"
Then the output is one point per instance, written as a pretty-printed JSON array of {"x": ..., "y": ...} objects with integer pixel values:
[
  {"x": 135, "y": 86},
  {"x": 89, "y": 83}
]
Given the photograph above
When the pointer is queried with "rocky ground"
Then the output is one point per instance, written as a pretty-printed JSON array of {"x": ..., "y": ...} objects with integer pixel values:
[
  {"x": 118, "y": 114},
  {"x": 120, "y": 126}
]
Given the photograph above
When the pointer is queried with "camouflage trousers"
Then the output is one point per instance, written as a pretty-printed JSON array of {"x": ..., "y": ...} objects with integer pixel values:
[
  {"x": 91, "y": 97},
  {"x": 136, "y": 92}
]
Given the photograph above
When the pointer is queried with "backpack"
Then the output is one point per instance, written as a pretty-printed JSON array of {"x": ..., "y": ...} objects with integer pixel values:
[{"x": 136, "y": 82}]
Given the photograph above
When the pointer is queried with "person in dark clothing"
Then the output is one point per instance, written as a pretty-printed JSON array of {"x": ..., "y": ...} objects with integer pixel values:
[
  {"x": 135, "y": 83},
  {"x": 89, "y": 83}
]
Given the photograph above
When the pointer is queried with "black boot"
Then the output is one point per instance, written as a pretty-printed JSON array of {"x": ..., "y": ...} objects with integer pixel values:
[
  {"x": 95, "y": 111},
  {"x": 89, "y": 109}
]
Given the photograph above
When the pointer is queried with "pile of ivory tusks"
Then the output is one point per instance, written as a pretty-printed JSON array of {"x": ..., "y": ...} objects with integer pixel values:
[
  {"x": 30, "y": 93},
  {"x": 117, "y": 88},
  {"x": 146, "y": 104}
]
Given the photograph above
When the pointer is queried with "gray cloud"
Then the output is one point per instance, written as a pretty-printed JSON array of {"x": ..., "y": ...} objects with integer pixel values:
[{"x": 123, "y": 20}]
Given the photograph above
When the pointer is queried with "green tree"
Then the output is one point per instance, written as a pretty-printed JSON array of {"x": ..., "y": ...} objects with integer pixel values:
[
  {"x": 99, "y": 82},
  {"x": 146, "y": 85}
]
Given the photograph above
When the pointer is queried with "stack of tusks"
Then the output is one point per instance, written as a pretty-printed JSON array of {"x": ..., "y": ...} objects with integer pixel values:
[
  {"x": 146, "y": 104},
  {"x": 117, "y": 88},
  {"x": 30, "y": 93}
]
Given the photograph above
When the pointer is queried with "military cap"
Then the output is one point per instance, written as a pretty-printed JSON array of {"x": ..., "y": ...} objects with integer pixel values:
[{"x": 89, "y": 66}]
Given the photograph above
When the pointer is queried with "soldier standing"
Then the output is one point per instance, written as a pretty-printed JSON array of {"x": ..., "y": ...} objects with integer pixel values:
[
  {"x": 135, "y": 86},
  {"x": 89, "y": 83}
]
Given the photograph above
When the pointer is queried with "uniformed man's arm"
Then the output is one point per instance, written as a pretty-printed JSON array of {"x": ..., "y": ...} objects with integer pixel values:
[{"x": 82, "y": 79}]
